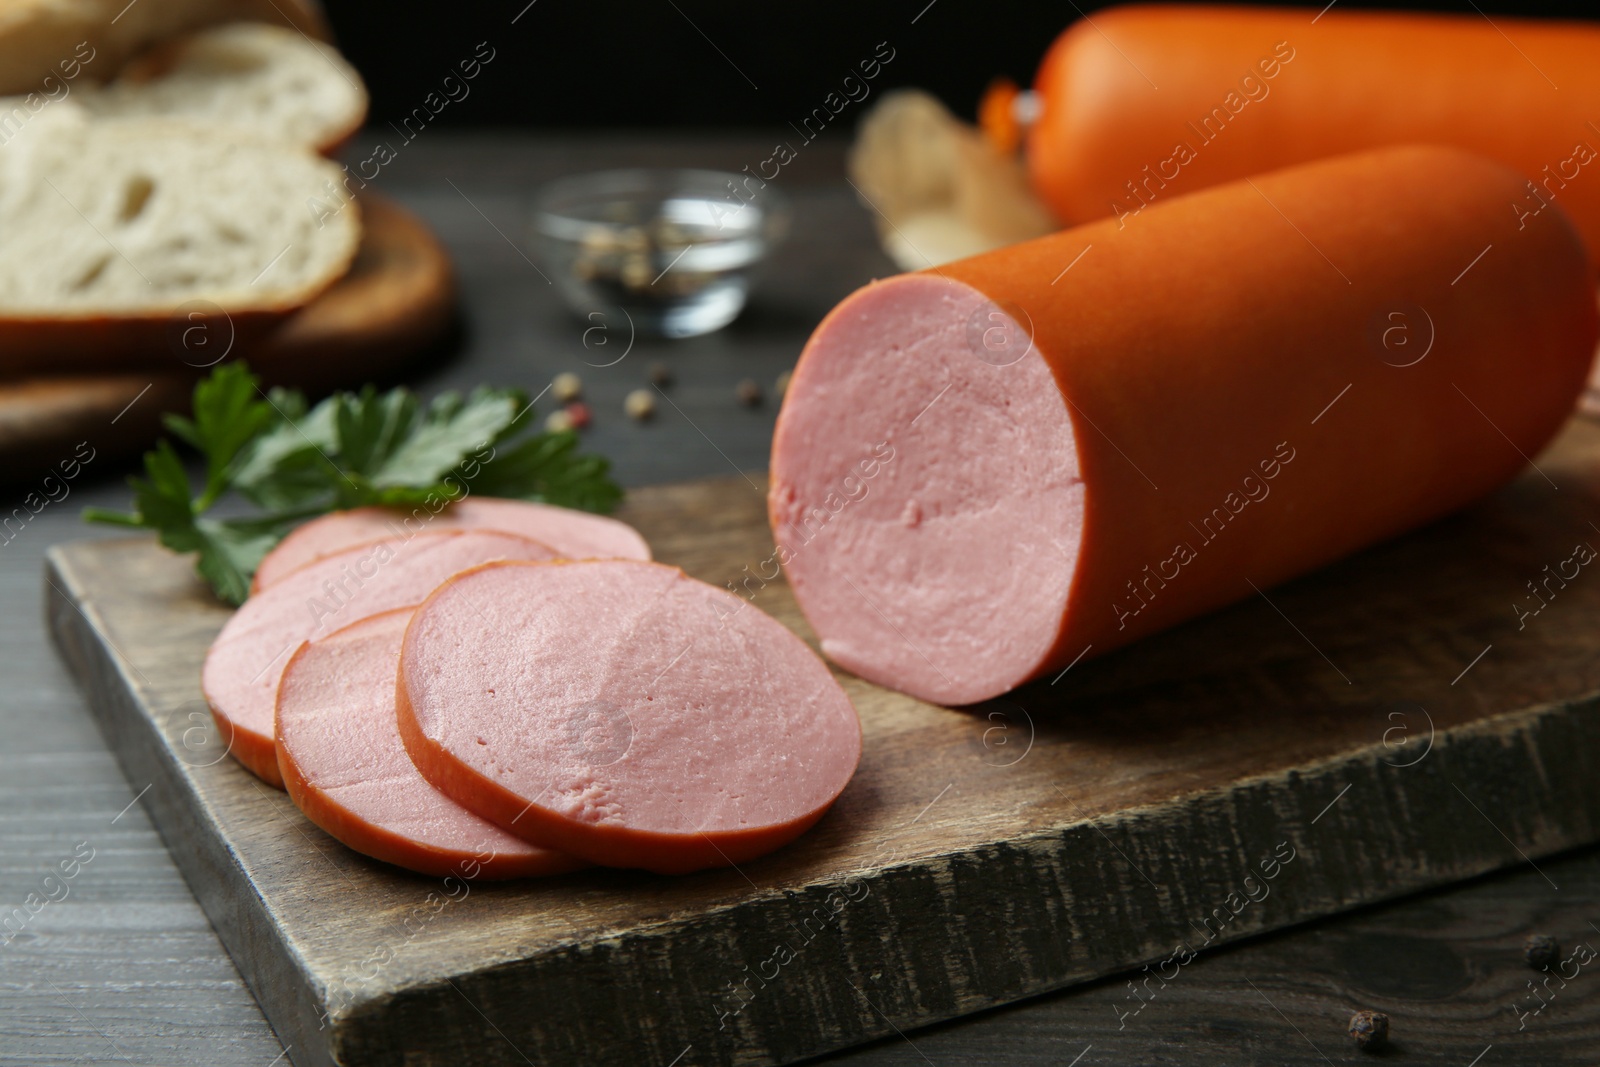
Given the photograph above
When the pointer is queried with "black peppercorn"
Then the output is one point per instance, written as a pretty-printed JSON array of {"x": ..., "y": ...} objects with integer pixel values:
[
  {"x": 749, "y": 393},
  {"x": 1370, "y": 1029},
  {"x": 1541, "y": 951},
  {"x": 660, "y": 374}
]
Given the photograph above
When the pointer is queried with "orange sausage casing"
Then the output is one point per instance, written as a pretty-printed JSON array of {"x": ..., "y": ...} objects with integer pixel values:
[
  {"x": 1147, "y": 102},
  {"x": 1249, "y": 383}
]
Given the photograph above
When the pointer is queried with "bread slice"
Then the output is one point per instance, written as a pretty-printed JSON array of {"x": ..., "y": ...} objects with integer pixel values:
[
  {"x": 120, "y": 233},
  {"x": 268, "y": 80},
  {"x": 39, "y": 38}
]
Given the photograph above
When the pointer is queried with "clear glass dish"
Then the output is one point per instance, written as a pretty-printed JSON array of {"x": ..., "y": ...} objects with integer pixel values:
[{"x": 676, "y": 249}]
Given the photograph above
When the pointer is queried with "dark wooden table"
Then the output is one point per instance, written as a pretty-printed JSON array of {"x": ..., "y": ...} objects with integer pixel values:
[{"x": 122, "y": 966}]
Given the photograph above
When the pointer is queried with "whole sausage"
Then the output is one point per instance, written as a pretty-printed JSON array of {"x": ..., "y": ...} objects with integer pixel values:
[
  {"x": 986, "y": 470},
  {"x": 1143, "y": 103}
]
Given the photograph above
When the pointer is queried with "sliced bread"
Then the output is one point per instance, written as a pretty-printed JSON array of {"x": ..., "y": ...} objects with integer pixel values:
[
  {"x": 268, "y": 80},
  {"x": 109, "y": 228},
  {"x": 38, "y": 36}
]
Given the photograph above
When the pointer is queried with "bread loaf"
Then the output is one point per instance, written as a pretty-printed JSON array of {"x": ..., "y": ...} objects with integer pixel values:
[
  {"x": 109, "y": 228},
  {"x": 268, "y": 80},
  {"x": 36, "y": 36}
]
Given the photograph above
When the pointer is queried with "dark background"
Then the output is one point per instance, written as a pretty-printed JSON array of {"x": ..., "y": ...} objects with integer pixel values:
[{"x": 648, "y": 63}]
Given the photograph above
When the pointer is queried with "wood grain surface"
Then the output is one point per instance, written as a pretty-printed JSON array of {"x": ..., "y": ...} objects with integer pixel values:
[{"x": 1380, "y": 727}]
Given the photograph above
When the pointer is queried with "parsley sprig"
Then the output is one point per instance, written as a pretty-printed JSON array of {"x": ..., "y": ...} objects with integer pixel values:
[{"x": 293, "y": 462}]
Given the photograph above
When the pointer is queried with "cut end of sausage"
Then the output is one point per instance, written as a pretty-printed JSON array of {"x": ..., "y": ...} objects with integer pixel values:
[
  {"x": 572, "y": 534},
  {"x": 345, "y": 767},
  {"x": 242, "y": 669},
  {"x": 623, "y": 712},
  {"x": 926, "y": 496}
]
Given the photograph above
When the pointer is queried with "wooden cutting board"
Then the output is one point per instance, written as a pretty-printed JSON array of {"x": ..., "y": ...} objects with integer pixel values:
[
  {"x": 397, "y": 300},
  {"x": 1388, "y": 724}
]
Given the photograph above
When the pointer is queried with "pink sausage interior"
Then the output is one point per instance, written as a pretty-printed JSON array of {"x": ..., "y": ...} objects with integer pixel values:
[
  {"x": 336, "y": 729},
  {"x": 926, "y": 496},
  {"x": 241, "y": 672},
  {"x": 573, "y": 534},
  {"x": 620, "y": 700}
]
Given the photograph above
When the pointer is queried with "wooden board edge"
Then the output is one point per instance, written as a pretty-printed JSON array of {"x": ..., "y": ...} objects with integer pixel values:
[
  {"x": 983, "y": 927},
  {"x": 997, "y": 924},
  {"x": 237, "y": 912}
]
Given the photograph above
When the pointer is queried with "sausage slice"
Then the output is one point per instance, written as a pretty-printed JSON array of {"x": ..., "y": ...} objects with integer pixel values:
[
  {"x": 241, "y": 672},
  {"x": 345, "y": 767},
  {"x": 573, "y": 534},
  {"x": 623, "y": 712}
]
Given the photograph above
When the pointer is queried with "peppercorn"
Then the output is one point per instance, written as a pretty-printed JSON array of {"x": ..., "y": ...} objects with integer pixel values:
[
  {"x": 579, "y": 414},
  {"x": 639, "y": 405},
  {"x": 1370, "y": 1029},
  {"x": 566, "y": 387},
  {"x": 1541, "y": 951},
  {"x": 660, "y": 374},
  {"x": 749, "y": 393},
  {"x": 636, "y": 273},
  {"x": 558, "y": 421},
  {"x": 634, "y": 239},
  {"x": 781, "y": 386}
]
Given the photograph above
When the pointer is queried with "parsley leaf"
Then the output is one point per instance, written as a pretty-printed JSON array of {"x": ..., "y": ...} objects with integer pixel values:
[
  {"x": 452, "y": 430},
  {"x": 229, "y": 410},
  {"x": 550, "y": 468},
  {"x": 295, "y": 462}
]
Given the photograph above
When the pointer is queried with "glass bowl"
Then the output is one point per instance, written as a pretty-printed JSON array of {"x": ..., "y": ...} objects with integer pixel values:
[{"x": 675, "y": 249}]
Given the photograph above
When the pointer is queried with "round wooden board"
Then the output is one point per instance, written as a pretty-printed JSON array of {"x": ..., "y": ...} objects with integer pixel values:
[{"x": 398, "y": 299}]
